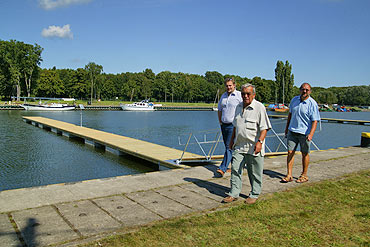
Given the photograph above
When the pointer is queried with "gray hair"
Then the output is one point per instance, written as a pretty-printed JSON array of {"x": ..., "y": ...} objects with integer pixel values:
[{"x": 249, "y": 85}]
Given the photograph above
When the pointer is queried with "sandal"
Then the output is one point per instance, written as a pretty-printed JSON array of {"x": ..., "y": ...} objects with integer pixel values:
[
  {"x": 286, "y": 179},
  {"x": 302, "y": 179}
]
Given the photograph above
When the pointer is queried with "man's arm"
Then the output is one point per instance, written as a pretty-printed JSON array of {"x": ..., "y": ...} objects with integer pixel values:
[
  {"x": 287, "y": 123},
  {"x": 219, "y": 116},
  {"x": 313, "y": 128},
  {"x": 232, "y": 139},
  {"x": 258, "y": 146}
]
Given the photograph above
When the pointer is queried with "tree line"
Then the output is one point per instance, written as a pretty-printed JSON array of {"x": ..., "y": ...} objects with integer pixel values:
[{"x": 21, "y": 75}]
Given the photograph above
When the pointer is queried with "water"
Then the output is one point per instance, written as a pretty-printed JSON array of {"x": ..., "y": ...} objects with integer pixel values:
[{"x": 30, "y": 156}]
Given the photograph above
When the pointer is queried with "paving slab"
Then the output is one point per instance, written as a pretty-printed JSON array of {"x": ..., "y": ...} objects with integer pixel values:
[
  {"x": 160, "y": 204},
  {"x": 8, "y": 236},
  {"x": 43, "y": 226},
  {"x": 188, "y": 198},
  {"x": 128, "y": 212},
  {"x": 87, "y": 218}
]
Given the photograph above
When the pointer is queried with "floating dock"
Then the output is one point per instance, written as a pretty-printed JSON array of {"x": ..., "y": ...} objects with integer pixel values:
[
  {"x": 332, "y": 120},
  {"x": 164, "y": 157}
]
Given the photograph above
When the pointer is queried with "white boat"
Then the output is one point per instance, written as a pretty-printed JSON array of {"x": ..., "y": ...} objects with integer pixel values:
[
  {"x": 144, "y": 105},
  {"x": 48, "y": 107}
]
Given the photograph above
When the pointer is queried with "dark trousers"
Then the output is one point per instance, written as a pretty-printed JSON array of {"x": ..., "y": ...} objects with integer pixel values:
[{"x": 227, "y": 131}]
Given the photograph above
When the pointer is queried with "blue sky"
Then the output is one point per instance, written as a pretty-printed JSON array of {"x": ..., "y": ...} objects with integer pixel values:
[{"x": 326, "y": 41}]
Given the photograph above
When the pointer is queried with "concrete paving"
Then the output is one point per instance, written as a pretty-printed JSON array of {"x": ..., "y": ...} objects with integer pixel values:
[{"x": 67, "y": 214}]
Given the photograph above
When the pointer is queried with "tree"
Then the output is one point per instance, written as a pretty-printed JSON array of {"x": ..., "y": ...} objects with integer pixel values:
[
  {"x": 18, "y": 59},
  {"x": 284, "y": 82},
  {"x": 263, "y": 93},
  {"x": 10, "y": 54},
  {"x": 50, "y": 84},
  {"x": 30, "y": 60},
  {"x": 214, "y": 77},
  {"x": 94, "y": 70}
]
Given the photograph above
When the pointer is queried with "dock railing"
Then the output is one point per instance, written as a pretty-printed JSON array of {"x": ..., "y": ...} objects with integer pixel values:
[{"x": 211, "y": 138}]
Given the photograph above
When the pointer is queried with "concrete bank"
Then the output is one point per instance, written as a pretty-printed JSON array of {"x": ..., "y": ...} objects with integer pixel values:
[{"x": 69, "y": 214}]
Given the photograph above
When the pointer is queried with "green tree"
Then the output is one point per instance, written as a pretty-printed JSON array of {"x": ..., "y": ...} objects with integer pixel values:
[
  {"x": 284, "y": 81},
  {"x": 214, "y": 77},
  {"x": 263, "y": 92},
  {"x": 49, "y": 84},
  {"x": 29, "y": 63},
  {"x": 94, "y": 70}
]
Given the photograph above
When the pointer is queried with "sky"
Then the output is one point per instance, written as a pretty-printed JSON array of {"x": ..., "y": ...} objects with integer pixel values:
[{"x": 327, "y": 42}]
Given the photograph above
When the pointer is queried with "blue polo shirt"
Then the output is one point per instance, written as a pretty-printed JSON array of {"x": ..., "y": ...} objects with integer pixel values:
[
  {"x": 303, "y": 114},
  {"x": 227, "y": 105}
]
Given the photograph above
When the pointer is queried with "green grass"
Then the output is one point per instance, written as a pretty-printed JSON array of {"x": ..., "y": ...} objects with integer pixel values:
[{"x": 329, "y": 213}]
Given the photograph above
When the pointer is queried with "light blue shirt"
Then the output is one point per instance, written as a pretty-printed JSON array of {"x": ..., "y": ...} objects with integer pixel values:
[
  {"x": 227, "y": 105},
  {"x": 303, "y": 114}
]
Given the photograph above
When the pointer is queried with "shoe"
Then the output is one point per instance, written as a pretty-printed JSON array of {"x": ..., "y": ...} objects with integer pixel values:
[
  {"x": 228, "y": 170},
  {"x": 229, "y": 199},
  {"x": 221, "y": 172},
  {"x": 250, "y": 200},
  {"x": 302, "y": 179},
  {"x": 286, "y": 179}
]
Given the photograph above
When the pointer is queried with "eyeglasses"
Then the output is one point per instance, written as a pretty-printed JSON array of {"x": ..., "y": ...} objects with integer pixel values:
[
  {"x": 249, "y": 94},
  {"x": 304, "y": 89}
]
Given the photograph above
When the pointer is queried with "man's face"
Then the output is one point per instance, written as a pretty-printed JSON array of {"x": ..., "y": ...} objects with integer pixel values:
[
  {"x": 305, "y": 91},
  {"x": 247, "y": 95},
  {"x": 230, "y": 86}
]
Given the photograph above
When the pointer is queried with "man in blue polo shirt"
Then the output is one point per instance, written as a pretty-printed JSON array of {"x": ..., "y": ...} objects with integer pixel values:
[
  {"x": 226, "y": 112},
  {"x": 301, "y": 125}
]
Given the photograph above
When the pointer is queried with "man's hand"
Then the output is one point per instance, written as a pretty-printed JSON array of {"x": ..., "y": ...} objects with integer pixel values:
[
  {"x": 257, "y": 147},
  {"x": 309, "y": 137},
  {"x": 231, "y": 145}
]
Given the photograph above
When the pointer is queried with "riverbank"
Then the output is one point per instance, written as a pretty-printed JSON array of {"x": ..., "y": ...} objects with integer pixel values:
[
  {"x": 115, "y": 105},
  {"x": 71, "y": 214}
]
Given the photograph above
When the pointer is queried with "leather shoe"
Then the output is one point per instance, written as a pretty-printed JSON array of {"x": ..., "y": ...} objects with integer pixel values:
[
  {"x": 250, "y": 200},
  {"x": 221, "y": 172},
  {"x": 229, "y": 199}
]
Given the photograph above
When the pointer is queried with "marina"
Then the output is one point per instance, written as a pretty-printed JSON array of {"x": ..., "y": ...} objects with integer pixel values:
[
  {"x": 164, "y": 157},
  {"x": 32, "y": 157}
]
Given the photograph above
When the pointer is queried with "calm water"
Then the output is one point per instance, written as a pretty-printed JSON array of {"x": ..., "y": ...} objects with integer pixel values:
[{"x": 30, "y": 156}]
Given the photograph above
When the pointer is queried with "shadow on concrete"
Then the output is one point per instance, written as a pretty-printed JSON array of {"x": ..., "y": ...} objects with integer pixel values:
[
  {"x": 213, "y": 168},
  {"x": 274, "y": 174},
  {"x": 29, "y": 232},
  {"x": 212, "y": 188}
]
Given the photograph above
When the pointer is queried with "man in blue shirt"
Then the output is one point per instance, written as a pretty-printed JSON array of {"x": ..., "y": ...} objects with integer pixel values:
[
  {"x": 226, "y": 112},
  {"x": 301, "y": 125}
]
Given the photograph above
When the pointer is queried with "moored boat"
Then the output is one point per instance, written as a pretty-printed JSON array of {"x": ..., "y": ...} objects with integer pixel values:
[
  {"x": 48, "y": 107},
  {"x": 281, "y": 109},
  {"x": 144, "y": 105}
]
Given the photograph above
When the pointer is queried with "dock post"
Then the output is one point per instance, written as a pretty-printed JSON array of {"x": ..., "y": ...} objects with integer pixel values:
[{"x": 365, "y": 139}]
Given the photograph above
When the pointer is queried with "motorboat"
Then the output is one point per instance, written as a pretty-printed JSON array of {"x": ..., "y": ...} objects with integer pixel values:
[
  {"x": 48, "y": 107},
  {"x": 144, "y": 105}
]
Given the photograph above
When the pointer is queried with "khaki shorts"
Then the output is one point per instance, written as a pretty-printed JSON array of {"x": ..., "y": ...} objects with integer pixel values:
[{"x": 293, "y": 139}]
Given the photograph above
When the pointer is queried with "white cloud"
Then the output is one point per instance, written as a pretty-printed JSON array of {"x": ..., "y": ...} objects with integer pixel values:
[
  {"x": 53, "y": 4},
  {"x": 59, "y": 32}
]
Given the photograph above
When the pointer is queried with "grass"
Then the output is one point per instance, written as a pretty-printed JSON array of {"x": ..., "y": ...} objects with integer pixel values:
[{"x": 329, "y": 213}]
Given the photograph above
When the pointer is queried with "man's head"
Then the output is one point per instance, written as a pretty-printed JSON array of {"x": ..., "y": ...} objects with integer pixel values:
[
  {"x": 305, "y": 90},
  {"x": 248, "y": 93},
  {"x": 230, "y": 85}
]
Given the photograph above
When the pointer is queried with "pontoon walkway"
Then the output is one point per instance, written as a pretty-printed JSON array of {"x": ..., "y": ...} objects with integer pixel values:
[{"x": 165, "y": 157}]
